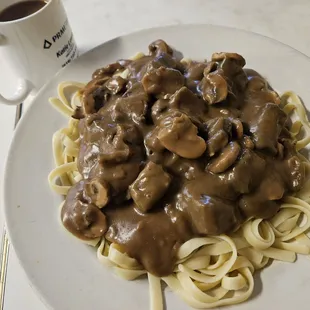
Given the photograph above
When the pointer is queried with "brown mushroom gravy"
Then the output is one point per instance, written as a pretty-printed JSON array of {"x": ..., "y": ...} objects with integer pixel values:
[{"x": 178, "y": 149}]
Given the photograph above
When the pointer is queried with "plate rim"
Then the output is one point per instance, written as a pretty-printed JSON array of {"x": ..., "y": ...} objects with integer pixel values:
[{"x": 34, "y": 102}]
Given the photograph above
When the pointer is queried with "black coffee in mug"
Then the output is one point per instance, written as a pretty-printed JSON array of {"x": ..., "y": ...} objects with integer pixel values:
[{"x": 21, "y": 9}]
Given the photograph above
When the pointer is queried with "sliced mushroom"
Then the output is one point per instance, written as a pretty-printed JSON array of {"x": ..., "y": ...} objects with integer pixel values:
[
  {"x": 219, "y": 123},
  {"x": 247, "y": 142},
  {"x": 218, "y": 134},
  {"x": 116, "y": 85},
  {"x": 180, "y": 136},
  {"x": 228, "y": 156},
  {"x": 267, "y": 128},
  {"x": 233, "y": 56},
  {"x": 81, "y": 217},
  {"x": 217, "y": 142},
  {"x": 160, "y": 46},
  {"x": 231, "y": 67},
  {"x": 280, "y": 149},
  {"x": 98, "y": 192},
  {"x": 237, "y": 128},
  {"x": 162, "y": 81},
  {"x": 213, "y": 88},
  {"x": 211, "y": 66}
]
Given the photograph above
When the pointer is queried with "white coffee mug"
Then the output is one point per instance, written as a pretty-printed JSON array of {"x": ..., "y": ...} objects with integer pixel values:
[{"x": 36, "y": 46}]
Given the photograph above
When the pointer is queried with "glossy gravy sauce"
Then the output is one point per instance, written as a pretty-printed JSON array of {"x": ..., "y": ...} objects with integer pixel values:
[{"x": 176, "y": 150}]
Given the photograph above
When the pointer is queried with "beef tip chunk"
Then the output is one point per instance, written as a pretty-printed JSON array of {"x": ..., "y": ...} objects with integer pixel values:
[
  {"x": 134, "y": 108},
  {"x": 180, "y": 136},
  {"x": 257, "y": 94},
  {"x": 208, "y": 215},
  {"x": 112, "y": 147},
  {"x": 186, "y": 101},
  {"x": 162, "y": 60},
  {"x": 119, "y": 177},
  {"x": 138, "y": 68},
  {"x": 213, "y": 87},
  {"x": 133, "y": 103},
  {"x": 194, "y": 73},
  {"x": 159, "y": 47},
  {"x": 122, "y": 142},
  {"x": 152, "y": 143},
  {"x": 162, "y": 81},
  {"x": 116, "y": 158},
  {"x": 107, "y": 71},
  {"x": 81, "y": 217},
  {"x": 268, "y": 127},
  {"x": 184, "y": 169},
  {"x": 263, "y": 203},
  {"x": 195, "y": 70},
  {"x": 111, "y": 151},
  {"x": 149, "y": 187},
  {"x": 154, "y": 149},
  {"x": 250, "y": 206},
  {"x": 93, "y": 98},
  {"x": 159, "y": 110},
  {"x": 247, "y": 172}
]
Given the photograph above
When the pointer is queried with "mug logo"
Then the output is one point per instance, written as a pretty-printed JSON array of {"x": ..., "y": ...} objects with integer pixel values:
[{"x": 47, "y": 44}]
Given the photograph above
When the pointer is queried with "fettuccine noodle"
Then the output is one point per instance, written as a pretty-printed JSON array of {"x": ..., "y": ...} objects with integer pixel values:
[{"x": 211, "y": 267}]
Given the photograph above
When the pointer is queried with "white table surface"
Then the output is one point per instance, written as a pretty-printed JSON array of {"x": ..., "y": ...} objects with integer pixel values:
[{"x": 96, "y": 21}]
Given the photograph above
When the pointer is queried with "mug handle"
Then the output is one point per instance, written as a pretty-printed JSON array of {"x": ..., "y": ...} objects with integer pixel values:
[{"x": 23, "y": 88}]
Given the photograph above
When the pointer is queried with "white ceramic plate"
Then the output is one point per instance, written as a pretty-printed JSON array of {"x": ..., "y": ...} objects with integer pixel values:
[{"x": 66, "y": 273}]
